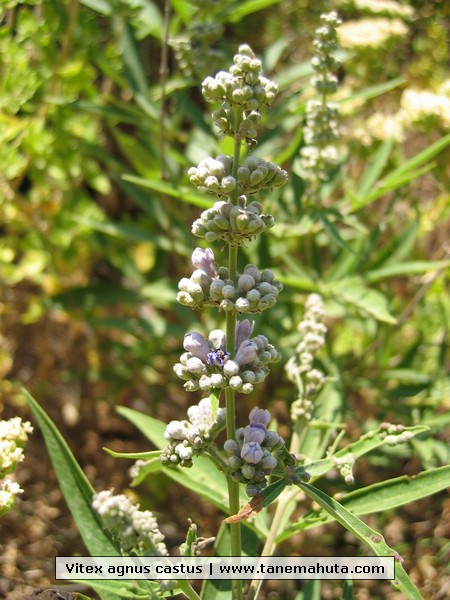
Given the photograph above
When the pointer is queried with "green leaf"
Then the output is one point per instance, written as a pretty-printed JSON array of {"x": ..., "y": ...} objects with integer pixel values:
[
  {"x": 135, "y": 455},
  {"x": 124, "y": 232},
  {"x": 144, "y": 470},
  {"x": 368, "y": 536},
  {"x": 172, "y": 190},
  {"x": 406, "y": 268},
  {"x": 374, "y": 90},
  {"x": 353, "y": 291},
  {"x": 366, "y": 443},
  {"x": 376, "y": 165},
  {"x": 134, "y": 68},
  {"x": 77, "y": 490},
  {"x": 129, "y": 590},
  {"x": 272, "y": 491},
  {"x": 101, "y": 6},
  {"x": 235, "y": 12},
  {"x": 333, "y": 232},
  {"x": 418, "y": 160},
  {"x": 379, "y": 497},
  {"x": 78, "y": 494}
]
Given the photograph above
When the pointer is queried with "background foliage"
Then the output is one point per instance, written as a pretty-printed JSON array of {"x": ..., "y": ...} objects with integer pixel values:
[{"x": 95, "y": 206}]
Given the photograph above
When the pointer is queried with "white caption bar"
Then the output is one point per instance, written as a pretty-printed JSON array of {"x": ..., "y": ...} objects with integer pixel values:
[{"x": 266, "y": 567}]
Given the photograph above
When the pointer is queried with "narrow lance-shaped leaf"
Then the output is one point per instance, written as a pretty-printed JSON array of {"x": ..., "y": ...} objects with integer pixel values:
[
  {"x": 78, "y": 494},
  {"x": 379, "y": 497},
  {"x": 368, "y": 536}
]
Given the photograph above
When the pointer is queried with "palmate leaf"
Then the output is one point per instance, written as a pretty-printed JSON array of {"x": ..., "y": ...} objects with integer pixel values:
[
  {"x": 78, "y": 494},
  {"x": 368, "y": 536}
]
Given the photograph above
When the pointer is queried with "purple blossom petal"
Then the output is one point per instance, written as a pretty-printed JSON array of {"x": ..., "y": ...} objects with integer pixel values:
[
  {"x": 244, "y": 330},
  {"x": 196, "y": 344},
  {"x": 204, "y": 260},
  {"x": 247, "y": 352},
  {"x": 255, "y": 433},
  {"x": 252, "y": 453}
]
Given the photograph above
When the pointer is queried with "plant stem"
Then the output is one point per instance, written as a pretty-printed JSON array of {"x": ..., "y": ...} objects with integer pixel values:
[
  {"x": 282, "y": 513},
  {"x": 230, "y": 394}
]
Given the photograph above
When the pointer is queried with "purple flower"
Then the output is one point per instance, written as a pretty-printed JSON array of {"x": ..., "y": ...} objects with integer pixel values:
[
  {"x": 244, "y": 330},
  {"x": 204, "y": 260},
  {"x": 252, "y": 453},
  {"x": 259, "y": 415},
  {"x": 255, "y": 433},
  {"x": 247, "y": 352},
  {"x": 196, "y": 344},
  {"x": 217, "y": 358}
]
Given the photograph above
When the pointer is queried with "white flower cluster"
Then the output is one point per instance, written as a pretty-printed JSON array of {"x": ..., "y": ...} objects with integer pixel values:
[
  {"x": 8, "y": 491},
  {"x": 244, "y": 86},
  {"x": 321, "y": 130},
  {"x": 214, "y": 175},
  {"x": 206, "y": 364},
  {"x": 13, "y": 435},
  {"x": 385, "y": 7},
  {"x": 299, "y": 367},
  {"x": 134, "y": 529},
  {"x": 234, "y": 224},
  {"x": 394, "y": 434},
  {"x": 254, "y": 291},
  {"x": 420, "y": 106},
  {"x": 256, "y": 452},
  {"x": 191, "y": 437},
  {"x": 370, "y": 33}
]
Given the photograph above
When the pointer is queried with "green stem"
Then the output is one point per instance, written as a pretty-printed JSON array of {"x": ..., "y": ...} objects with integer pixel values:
[
  {"x": 230, "y": 394},
  {"x": 283, "y": 511}
]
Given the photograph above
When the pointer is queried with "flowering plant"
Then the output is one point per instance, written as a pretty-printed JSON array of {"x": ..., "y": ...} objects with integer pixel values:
[{"x": 255, "y": 467}]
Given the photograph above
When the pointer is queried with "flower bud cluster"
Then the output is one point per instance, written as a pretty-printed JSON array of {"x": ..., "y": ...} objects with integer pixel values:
[
  {"x": 324, "y": 63},
  {"x": 254, "y": 290},
  {"x": 299, "y": 367},
  {"x": 134, "y": 529},
  {"x": 245, "y": 87},
  {"x": 319, "y": 154},
  {"x": 394, "y": 434},
  {"x": 13, "y": 435},
  {"x": 256, "y": 452},
  {"x": 192, "y": 436},
  {"x": 254, "y": 174},
  {"x": 194, "y": 48},
  {"x": 195, "y": 52},
  {"x": 235, "y": 225},
  {"x": 206, "y": 364},
  {"x": 345, "y": 466}
]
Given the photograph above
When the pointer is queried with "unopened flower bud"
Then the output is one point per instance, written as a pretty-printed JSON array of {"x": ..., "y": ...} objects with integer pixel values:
[
  {"x": 256, "y": 432},
  {"x": 251, "y": 453},
  {"x": 232, "y": 447},
  {"x": 231, "y": 368},
  {"x": 246, "y": 282},
  {"x": 259, "y": 415},
  {"x": 247, "y": 352},
  {"x": 196, "y": 344}
]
